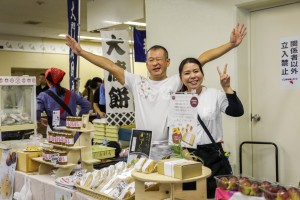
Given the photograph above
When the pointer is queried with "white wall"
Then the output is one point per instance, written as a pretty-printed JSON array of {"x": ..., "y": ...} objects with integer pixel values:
[{"x": 189, "y": 27}]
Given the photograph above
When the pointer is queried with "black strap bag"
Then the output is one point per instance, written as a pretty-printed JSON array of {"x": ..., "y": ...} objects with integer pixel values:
[{"x": 214, "y": 158}]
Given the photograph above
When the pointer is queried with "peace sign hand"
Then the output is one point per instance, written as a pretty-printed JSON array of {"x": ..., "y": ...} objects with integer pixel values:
[{"x": 225, "y": 80}]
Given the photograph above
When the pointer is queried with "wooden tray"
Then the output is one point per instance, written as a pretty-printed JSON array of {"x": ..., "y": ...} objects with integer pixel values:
[{"x": 96, "y": 195}]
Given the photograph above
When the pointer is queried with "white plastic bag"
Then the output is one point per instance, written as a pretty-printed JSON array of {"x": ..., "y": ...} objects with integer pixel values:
[{"x": 25, "y": 193}]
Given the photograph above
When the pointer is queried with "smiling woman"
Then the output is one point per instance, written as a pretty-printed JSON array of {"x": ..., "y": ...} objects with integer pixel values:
[{"x": 212, "y": 103}]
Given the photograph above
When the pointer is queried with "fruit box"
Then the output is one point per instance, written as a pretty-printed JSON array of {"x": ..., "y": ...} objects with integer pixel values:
[
  {"x": 25, "y": 163},
  {"x": 227, "y": 182},
  {"x": 244, "y": 184},
  {"x": 280, "y": 192},
  {"x": 179, "y": 168}
]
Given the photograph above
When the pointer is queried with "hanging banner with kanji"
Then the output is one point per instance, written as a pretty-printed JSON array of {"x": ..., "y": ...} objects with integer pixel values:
[
  {"x": 289, "y": 65},
  {"x": 119, "y": 101},
  {"x": 73, "y": 23}
]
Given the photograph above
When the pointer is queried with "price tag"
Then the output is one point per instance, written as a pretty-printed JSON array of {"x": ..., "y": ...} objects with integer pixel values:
[{"x": 55, "y": 118}]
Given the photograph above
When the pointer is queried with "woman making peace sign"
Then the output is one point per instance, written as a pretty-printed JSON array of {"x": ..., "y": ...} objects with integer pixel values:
[{"x": 211, "y": 103}]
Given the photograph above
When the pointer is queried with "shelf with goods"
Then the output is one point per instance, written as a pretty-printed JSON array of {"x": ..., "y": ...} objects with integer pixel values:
[
  {"x": 17, "y": 104},
  {"x": 46, "y": 167},
  {"x": 104, "y": 132},
  {"x": 81, "y": 152}
]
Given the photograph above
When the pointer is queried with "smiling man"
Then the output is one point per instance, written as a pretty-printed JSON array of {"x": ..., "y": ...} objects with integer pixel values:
[{"x": 151, "y": 95}]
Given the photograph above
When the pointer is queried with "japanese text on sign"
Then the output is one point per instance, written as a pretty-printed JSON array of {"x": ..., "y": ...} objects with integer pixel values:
[{"x": 289, "y": 67}]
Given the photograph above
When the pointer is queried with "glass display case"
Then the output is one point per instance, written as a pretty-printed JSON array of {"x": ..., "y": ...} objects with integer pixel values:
[{"x": 17, "y": 103}]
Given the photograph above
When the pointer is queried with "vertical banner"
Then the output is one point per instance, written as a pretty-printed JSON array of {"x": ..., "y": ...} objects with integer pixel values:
[
  {"x": 73, "y": 29},
  {"x": 119, "y": 101},
  {"x": 182, "y": 120},
  {"x": 139, "y": 45},
  {"x": 289, "y": 67}
]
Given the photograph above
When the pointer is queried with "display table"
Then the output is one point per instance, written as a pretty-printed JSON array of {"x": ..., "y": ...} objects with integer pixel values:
[
  {"x": 170, "y": 187},
  {"x": 44, "y": 187}
]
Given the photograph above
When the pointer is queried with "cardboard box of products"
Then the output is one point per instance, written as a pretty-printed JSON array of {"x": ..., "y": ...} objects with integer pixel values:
[
  {"x": 179, "y": 168},
  {"x": 25, "y": 164}
]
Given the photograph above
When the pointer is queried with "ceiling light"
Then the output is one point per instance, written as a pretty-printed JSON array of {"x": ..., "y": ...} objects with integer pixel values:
[
  {"x": 112, "y": 22},
  {"x": 83, "y": 37},
  {"x": 92, "y": 38},
  {"x": 135, "y": 23}
]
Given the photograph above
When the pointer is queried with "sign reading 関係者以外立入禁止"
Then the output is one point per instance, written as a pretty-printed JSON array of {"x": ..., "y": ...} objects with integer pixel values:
[
  {"x": 140, "y": 144},
  {"x": 289, "y": 63}
]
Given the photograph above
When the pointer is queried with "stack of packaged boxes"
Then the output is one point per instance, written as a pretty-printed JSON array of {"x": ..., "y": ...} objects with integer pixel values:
[{"x": 99, "y": 131}]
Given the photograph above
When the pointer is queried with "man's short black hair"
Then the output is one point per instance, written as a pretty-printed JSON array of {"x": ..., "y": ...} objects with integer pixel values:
[{"x": 155, "y": 47}]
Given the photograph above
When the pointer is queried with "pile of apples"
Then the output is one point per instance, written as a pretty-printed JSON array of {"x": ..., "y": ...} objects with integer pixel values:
[
  {"x": 249, "y": 186},
  {"x": 279, "y": 192},
  {"x": 243, "y": 184}
]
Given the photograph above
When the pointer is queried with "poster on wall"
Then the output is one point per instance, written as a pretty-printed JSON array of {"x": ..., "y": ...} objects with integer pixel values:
[
  {"x": 119, "y": 101},
  {"x": 7, "y": 169},
  {"x": 182, "y": 119},
  {"x": 289, "y": 65}
]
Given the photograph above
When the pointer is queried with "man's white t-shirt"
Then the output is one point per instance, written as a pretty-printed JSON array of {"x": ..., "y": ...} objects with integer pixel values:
[{"x": 151, "y": 102}]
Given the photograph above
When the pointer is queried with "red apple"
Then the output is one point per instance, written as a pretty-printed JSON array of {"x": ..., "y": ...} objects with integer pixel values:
[
  {"x": 255, "y": 190},
  {"x": 242, "y": 179},
  {"x": 294, "y": 193},
  {"x": 233, "y": 183},
  {"x": 282, "y": 194},
  {"x": 264, "y": 184},
  {"x": 271, "y": 192},
  {"x": 245, "y": 187},
  {"x": 222, "y": 183}
]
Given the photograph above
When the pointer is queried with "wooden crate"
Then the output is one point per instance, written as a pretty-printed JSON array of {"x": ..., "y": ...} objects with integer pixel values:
[{"x": 25, "y": 163}]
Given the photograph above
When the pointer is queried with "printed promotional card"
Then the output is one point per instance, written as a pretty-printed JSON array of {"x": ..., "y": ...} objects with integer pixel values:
[
  {"x": 140, "y": 144},
  {"x": 55, "y": 118},
  {"x": 85, "y": 121},
  {"x": 182, "y": 119}
]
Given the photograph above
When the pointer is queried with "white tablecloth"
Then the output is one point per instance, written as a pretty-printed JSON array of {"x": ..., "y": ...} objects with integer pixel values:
[{"x": 43, "y": 187}]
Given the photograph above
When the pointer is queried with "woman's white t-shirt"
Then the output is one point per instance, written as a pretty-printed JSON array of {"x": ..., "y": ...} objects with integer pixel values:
[{"x": 211, "y": 104}]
